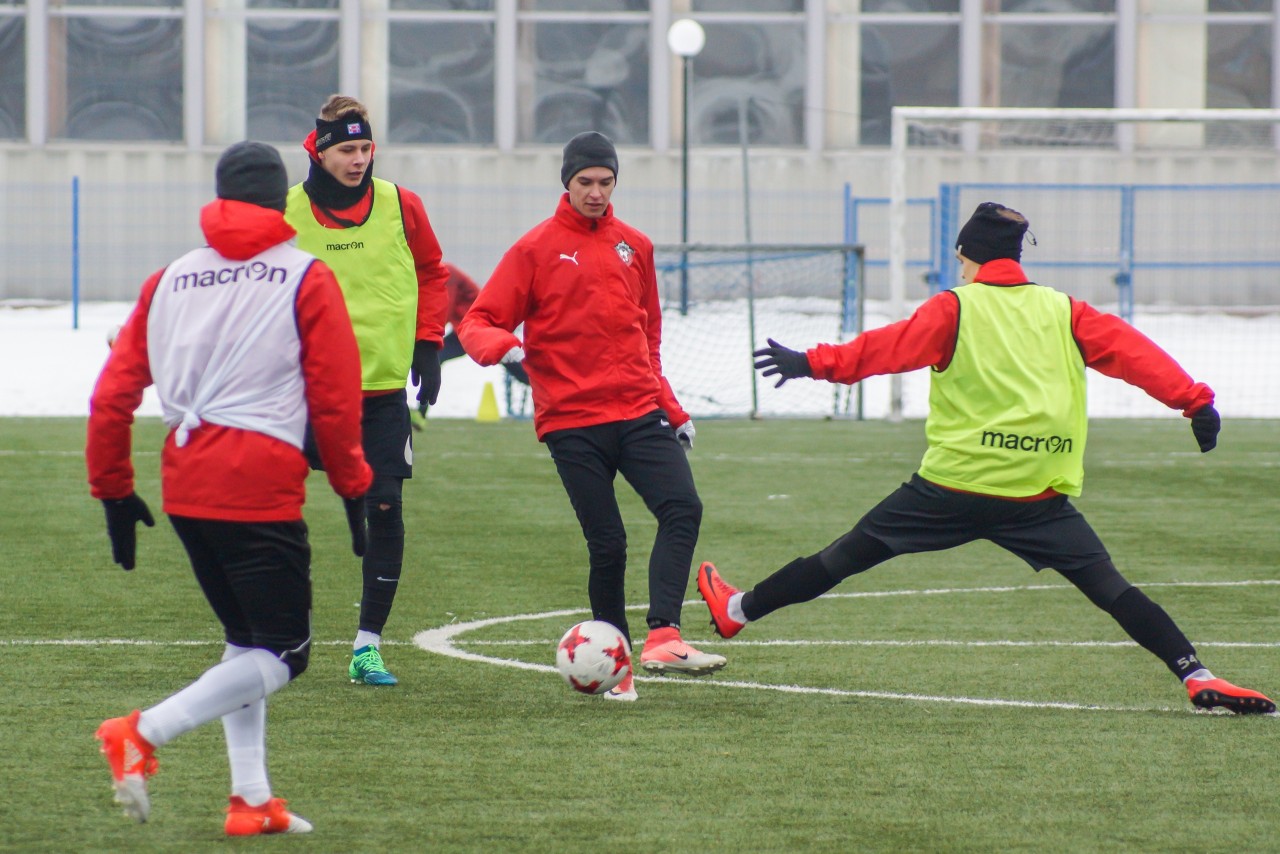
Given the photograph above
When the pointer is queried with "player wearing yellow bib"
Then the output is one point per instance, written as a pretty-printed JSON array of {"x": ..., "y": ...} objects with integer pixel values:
[
  {"x": 376, "y": 238},
  {"x": 1006, "y": 436}
]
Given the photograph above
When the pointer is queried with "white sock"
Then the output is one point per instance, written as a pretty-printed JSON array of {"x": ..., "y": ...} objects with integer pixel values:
[
  {"x": 246, "y": 732},
  {"x": 735, "y": 609},
  {"x": 1200, "y": 676},
  {"x": 364, "y": 638},
  {"x": 223, "y": 688}
]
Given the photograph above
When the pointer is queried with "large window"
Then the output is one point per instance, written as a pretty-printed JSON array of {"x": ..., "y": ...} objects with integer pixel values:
[
  {"x": 440, "y": 80},
  {"x": 13, "y": 71},
  {"x": 1054, "y": 65},
  {"x": 441, "y": 72},
  {"x": 790, "y": 73},
  {"x": 906, "y": 65},
  {"x": 752, "y": 71},
  {"x": 118, "y": 71},
  {"x": 574, "y": 75},
  {"x": 291, "y": 66}
]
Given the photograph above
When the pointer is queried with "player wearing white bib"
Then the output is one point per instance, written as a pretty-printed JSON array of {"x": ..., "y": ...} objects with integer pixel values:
[{"x": 245, "y": 340}]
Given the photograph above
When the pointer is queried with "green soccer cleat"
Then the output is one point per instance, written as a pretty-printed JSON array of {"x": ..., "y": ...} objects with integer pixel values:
[{"x": 367, "y": 667}]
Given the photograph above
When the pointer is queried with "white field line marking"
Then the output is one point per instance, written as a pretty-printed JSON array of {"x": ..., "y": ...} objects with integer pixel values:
[
  {"x": 137, "y": 642},
  {"x": 441, "y": 641},
  {"x": 710, "y": 642},
  {"x": 873, "y": 594},
  {"x": 13, "y": 452}
]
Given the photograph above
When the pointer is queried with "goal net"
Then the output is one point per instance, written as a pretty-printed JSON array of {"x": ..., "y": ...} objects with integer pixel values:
[
  {"x": 1157, "y": 215},
  {"x": 719, "y": 303}
]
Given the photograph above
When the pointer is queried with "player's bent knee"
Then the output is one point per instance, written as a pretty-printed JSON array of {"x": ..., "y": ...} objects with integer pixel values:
[
  {"x": 1101, "y": 582},
  {"x": 297, "y": 659},
  {"x": 385, "y": 494},
  {"x": 608, "y": 559}
]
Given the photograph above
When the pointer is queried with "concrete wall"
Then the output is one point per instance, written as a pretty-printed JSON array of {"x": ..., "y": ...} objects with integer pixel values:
[{"x": 139, "y": 205}]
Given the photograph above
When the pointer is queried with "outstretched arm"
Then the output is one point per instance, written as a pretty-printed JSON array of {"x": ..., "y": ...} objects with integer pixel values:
[
  {"x": 1113, "y": 347},
  {"x": 925, "y": 339}
]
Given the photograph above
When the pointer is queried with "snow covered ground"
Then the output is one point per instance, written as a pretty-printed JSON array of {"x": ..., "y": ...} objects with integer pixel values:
[{"x": 49, "y": 368}]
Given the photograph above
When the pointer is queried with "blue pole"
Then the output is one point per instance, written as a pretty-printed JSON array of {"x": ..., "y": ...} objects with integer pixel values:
[
  {"x": 849, "y": 320},
  {"x": 1124, "y": 276},
  {"x": 75, "y": 252},
  {"x": 948, "y": 202}
]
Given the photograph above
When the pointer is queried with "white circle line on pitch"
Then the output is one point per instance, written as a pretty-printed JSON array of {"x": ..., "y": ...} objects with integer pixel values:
[{"x": 441, "y": 641}]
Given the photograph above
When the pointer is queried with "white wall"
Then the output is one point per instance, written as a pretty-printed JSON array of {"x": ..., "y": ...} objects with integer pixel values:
[{"x": 139, "y": 205}]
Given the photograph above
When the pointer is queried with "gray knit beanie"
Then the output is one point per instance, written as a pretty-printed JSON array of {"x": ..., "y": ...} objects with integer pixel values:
[{"x": 585, "y": 150}]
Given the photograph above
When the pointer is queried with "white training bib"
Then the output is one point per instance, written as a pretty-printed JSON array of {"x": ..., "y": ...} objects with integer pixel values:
[{"x": 222, "y": 338}]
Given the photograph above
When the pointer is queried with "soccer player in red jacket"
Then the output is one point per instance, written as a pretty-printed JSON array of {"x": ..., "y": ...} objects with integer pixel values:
[
  {"x": 463, "y": 291},
  {"x": 244, "y": 340},
  {"x": 1006, "y": 433},
  {"x": 583, "y": 285}
]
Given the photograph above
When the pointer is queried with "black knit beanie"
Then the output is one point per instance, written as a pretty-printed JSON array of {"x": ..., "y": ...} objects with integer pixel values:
[
  {"x": 993, "y": 231},
  {"x": 586, "y": 150},
  {"x": 252, "y": 172}
]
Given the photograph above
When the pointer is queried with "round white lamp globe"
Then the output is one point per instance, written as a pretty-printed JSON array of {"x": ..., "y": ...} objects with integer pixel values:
[{"x": 686, "y": 37}]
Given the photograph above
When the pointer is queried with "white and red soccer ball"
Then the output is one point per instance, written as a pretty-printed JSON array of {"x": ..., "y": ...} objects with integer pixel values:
[{"x": 593, "y": 657}]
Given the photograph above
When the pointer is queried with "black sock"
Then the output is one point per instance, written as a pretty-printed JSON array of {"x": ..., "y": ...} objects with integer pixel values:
[
  {"x": 803, "y": 579},
  {"x": 1154, "y": 630},
  {"x": 662, "y": 624}
]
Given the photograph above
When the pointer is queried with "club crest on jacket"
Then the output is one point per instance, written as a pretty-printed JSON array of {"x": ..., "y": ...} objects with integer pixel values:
[{"x": 625, "y": 252}]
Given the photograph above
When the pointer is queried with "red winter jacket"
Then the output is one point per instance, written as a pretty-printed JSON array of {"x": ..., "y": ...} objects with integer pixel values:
[
  {"x": 226, "y": 473},
  {"x": 586, "y": 293},
  {"x": 462, "y": 293},
  {"x": 928, "y": 339}
]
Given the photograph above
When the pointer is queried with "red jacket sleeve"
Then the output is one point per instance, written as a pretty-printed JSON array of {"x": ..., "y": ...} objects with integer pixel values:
[
  {"x": 116, "y": 396},
  {"x": 653, "y": 331},
  {"x": 331, "y": 370},
  {"x": 462, "y": 293},
  {"x": 433, "y": 297},
  {"x": 925, "y": 339},
  {"x": 1111, "y": 346},
  {"x": 486, "y": 332}
]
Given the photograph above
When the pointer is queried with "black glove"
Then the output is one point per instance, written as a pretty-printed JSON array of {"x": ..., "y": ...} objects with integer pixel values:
[
  {"x": 355, "y": 521},
  {"x": 787, "y": 364},
  {"x": 123, "y": 516},
  {"x": 425, "y": 373},
  {"x": 1205, "y": 424}
]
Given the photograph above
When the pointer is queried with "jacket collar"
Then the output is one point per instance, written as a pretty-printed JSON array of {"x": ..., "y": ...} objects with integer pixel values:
[
  {"x": 1002, "y": 271},
  {"x": 566, "y": 215},
  {"x": 239, "y": 230}
]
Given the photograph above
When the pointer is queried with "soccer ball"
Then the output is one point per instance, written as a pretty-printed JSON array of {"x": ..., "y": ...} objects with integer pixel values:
[{"x": 593, "y": 657}]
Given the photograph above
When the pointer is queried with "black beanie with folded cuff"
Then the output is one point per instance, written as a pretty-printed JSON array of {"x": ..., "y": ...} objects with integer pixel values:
[{"x": 993, "y": 231}]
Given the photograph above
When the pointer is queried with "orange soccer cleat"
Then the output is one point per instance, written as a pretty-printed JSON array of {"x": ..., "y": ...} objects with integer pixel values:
[
  {"x": 666, "y": 652},
  {"x": 716, "y": 593},
  {"x": 271, "y": 817},
  {"x": 1219, "y": 693},
  {"x": 132, "y": 760}
]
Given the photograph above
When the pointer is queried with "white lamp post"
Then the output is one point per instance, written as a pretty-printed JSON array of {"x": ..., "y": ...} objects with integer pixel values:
[{"x": 686, "y": 39}]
